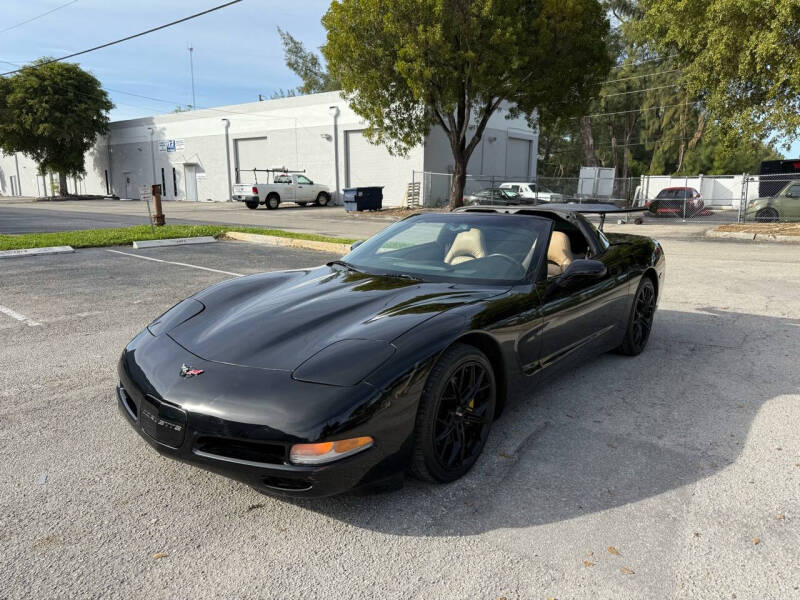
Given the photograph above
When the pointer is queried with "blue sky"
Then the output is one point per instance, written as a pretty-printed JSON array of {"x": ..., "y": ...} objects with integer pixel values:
[{"x": 237, "y": 54}]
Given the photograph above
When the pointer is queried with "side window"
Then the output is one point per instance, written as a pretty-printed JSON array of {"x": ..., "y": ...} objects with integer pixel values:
[
  {"x": 514, "y": 188},
  {"x": 282, "y": 179},
  {"x": 303, "y": 180},
  {"x": 794, "y": 191}
]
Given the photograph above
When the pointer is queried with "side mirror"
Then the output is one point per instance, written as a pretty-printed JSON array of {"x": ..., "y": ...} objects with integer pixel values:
[
  {"x": 356, "y": 244},
  {"x": 582, "y": 269}
]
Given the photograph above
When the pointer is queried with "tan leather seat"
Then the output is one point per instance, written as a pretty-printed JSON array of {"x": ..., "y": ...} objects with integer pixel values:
[
  {"x": 467, "y": 245},
  {"x": 559, "y": 254}
]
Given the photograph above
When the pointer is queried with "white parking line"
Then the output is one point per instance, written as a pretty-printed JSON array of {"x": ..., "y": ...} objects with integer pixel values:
[
  {"x": 169, "y": 262},
  {"x": 19, "y": 317}
]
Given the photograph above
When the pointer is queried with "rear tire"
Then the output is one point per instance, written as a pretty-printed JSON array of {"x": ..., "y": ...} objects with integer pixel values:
[
  {"x": 640, "y": 321},
  {"x": 273, "y": 201},
  {"x": 455, "y": 415},
  {"x": 767, "y": 215},
  {"x": 252, "y": 204},
  {"x": 323, "y": 199}
]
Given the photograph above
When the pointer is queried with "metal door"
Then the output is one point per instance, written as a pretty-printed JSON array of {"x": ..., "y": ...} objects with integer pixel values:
[{"x": 190, "y": 173}]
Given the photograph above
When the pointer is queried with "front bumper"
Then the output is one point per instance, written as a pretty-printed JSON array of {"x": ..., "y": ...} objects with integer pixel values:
[
  {"x": 211, "y": 421},
  {"x": 240, "y": 198}
]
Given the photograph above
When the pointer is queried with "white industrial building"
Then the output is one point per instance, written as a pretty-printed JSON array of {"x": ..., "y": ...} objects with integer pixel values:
[{"x": 198, "y": 155}]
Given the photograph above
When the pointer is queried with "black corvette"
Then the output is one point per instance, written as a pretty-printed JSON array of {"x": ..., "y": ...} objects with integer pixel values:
[{"x": 395, "y": 359}]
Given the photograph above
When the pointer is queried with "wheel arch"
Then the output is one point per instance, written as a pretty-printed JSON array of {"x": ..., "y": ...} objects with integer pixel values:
[
  {"x": 489, "y": 346},
  {"x": 650, "y": 272},
  {"x": 271, "y": 194}
]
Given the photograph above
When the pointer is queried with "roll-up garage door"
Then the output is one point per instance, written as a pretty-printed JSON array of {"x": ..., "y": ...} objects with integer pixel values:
[
  {"x": 370, "y": 165},
  {"x": 251, "y": 153},
  {"x": 519, "y": 159}
]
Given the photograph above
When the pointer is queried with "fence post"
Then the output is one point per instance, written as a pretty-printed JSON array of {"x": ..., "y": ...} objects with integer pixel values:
[{"x": 740, "y": 217}]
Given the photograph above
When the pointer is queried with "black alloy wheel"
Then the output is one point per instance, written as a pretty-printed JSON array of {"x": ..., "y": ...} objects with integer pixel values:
[
  {"x": 455, "y": 414},
  {"x": 641, "y": 319}
]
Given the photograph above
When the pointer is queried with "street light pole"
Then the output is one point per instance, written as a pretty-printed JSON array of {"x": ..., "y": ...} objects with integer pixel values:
[{"x": 191, "y": 69}]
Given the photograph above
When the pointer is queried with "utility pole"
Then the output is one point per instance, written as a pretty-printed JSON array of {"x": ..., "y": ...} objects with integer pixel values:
[{"x": 191, "y": 69}]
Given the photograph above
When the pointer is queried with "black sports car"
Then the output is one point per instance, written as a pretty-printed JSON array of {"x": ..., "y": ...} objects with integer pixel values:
[{"x": 396, "y": 358}]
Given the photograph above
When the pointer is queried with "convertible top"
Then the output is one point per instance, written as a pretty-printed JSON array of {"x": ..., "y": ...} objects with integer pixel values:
[{"x": 561, "y": 209}]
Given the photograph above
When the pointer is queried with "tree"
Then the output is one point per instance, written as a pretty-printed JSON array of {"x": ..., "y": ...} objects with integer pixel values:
[
  {"x": 307, "y": 66},
  {"x": 409, "y": 65},
  {"x": 53, "y": 113},
  {"x": 741, "y": 58}
]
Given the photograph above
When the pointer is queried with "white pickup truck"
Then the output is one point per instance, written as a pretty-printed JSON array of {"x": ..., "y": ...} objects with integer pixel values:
[{"x": 284, "y": 188}]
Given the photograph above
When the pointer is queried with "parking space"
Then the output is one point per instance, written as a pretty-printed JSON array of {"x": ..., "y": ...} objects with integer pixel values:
[{"x": 679, "y": 459}]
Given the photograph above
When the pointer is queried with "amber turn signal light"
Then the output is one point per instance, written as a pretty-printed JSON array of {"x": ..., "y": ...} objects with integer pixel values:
[{"x": 324, "y": 452}]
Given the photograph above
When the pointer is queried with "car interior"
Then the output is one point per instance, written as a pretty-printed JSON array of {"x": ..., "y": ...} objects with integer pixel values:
[{"x": 490, "y": 251}]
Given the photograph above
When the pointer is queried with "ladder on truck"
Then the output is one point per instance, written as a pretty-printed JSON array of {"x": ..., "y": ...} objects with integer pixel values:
[{"x": 281, "y": 170}]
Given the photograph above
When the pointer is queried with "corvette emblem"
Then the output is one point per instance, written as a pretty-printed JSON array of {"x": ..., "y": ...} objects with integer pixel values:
[{"x": 187, "y": 371}]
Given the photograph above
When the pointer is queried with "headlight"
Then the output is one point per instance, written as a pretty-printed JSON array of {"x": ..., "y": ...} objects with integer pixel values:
[{"x": 325, "y": 452}]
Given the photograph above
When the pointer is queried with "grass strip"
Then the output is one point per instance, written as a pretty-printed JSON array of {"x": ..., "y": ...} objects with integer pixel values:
[{"x": 122, "y": 236}]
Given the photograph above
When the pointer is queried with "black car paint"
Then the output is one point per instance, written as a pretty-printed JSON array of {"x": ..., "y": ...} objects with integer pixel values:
[{"x": 254, "y": 333}]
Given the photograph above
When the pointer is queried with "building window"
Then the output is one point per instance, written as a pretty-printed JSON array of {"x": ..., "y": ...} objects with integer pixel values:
[
  {"x": 175, "y": 182},
  {"x": 163, "y": 183},
  {"x": 108, "y": 189}
]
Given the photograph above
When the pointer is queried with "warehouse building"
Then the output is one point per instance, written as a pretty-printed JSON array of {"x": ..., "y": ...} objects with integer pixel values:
[{"x": 199, "y": 155}]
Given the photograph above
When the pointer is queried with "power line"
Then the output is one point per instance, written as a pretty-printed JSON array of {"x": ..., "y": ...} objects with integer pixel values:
[
  {"x": 44, "y": 14},
  {"x": 642, "y": 75},
  {"x": 661, "y": 87},
  {"x": 125, "y": 39}
]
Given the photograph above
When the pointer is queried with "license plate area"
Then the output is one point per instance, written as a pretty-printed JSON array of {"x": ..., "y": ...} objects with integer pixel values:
[{"x": 163, "y": 422}]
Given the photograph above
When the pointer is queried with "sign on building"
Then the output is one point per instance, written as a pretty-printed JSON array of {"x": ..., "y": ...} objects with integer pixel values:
[{"x": 171, "y": 145}]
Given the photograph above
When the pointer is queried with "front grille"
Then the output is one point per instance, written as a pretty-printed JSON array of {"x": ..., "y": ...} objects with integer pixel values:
[
  {"x": 241, "y": 450},
  {"x": 284, "y": 483}
]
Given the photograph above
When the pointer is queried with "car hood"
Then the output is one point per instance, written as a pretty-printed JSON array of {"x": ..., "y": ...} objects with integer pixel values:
[{"x": 278, "y": 320}]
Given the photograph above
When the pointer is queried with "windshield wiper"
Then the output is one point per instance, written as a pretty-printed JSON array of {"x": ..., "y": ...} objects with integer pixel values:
[
  {"x": 346, "y": 265},
  {"x": 400, "y": 276}
]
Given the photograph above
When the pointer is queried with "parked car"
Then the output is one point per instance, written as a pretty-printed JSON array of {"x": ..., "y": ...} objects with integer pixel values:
[
  {"x": 396, "y": 358},
  {"x": 783, "y": 206},
  {"x": 284, "y": 188},
  {"x": 676, "y": 202},
  {"x": 493, "y": 197},
  {"x": 533, "y": 191}
]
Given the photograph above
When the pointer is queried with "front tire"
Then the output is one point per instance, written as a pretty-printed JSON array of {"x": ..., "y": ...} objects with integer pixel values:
[
  {"x": 323, "y": 199},
  {"x": 273, "y": 201},
  {"x": 251, "y": 204},
  {"x": 767, "y": 215},
  {"x": 455, "y": 415},
  {"x": 641, "y": 320}
]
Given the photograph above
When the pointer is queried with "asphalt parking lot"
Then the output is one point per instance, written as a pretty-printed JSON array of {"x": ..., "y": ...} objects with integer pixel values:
[{"x": 685, "y": 460}]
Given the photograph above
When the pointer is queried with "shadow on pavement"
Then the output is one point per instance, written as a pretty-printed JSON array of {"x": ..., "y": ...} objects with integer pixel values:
[{"x": 614, "y": 431}]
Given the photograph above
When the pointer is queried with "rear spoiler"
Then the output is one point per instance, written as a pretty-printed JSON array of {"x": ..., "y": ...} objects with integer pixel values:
[{"x": 592, "y": 208}]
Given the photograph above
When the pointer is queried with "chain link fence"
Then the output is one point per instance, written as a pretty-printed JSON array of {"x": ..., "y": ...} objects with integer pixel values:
[{"x": 713, "y": 199}]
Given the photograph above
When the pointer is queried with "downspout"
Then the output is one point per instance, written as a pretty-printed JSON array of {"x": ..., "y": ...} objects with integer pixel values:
[
  {"x": 110, "y": 169},
  {"x": 228, "y": 158},
  {"x": 334, "y": 110},
  {"x": 16, "y": 166}
]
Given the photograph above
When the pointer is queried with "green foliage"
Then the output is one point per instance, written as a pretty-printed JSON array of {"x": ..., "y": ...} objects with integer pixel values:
[
  {"x": 307, "y": 66},
  {"x": 53, "y": 113},
  {"x": 740, "y": 57},
  {"x": 407, "y": 65}
]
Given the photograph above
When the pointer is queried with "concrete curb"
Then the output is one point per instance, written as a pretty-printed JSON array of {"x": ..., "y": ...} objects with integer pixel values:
[
  {"x": 206, "y": 239},
  {"x": 36, "y": 251},
  {"x": 753, "y": 237},
  {"x": 272, "y": 240}
]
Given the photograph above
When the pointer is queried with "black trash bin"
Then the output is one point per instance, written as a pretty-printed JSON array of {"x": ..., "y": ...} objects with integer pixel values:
[{"x": 363, "y": 198}]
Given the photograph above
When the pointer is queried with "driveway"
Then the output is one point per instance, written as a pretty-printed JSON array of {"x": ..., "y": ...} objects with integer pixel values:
[{"x": 674, "y": 474}]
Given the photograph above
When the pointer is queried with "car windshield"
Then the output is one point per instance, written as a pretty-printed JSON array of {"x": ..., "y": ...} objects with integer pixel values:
[{"x": 487, "y": 248}]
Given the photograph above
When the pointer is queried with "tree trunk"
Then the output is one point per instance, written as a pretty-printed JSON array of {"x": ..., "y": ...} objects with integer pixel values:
[
  {"x": 458, "y": 182},
  {"x": 62, "y": 184},
  {"x": 588, "y": 142}
]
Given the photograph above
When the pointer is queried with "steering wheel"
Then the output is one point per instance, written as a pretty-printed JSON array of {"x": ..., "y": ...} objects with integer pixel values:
[{"x": 508, "y": 259}]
